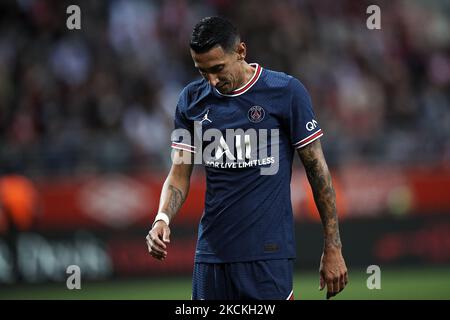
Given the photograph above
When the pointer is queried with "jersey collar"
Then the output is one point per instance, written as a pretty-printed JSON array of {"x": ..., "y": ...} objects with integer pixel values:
[{"x": 246, "y": 86}]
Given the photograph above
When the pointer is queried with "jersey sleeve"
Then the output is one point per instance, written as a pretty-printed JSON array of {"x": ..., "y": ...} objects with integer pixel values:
[
  {"x": 304, "y": 127},
  {"x": 182, "y": 136}
]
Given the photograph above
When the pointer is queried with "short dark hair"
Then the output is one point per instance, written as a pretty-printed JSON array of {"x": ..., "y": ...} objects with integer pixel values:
[{"x": 213, "y": 31}]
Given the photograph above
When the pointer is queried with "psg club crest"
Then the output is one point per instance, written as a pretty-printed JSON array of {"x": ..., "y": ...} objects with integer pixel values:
[{"x": 256, "y": 114}]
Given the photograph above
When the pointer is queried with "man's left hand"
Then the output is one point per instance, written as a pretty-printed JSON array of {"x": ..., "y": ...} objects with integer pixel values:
[{"x": 333, "y": 271}]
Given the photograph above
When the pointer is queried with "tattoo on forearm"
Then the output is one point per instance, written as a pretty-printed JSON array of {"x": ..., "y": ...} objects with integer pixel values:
[
  {"x": 320, "y": 179},
  {"x": 175, "y": 200}
]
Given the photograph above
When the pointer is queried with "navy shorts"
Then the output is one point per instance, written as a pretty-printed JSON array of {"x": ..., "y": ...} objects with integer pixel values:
[{"x": 253, "y": 280}]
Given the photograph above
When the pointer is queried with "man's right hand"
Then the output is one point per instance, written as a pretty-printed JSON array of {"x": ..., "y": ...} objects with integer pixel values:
[{"x": 157, "y": 239}]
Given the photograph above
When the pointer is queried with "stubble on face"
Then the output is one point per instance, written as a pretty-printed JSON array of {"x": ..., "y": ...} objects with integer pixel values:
[{"x": 225, "y": 71}]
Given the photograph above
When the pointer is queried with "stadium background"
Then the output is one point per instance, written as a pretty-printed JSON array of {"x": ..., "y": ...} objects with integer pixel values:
[{"x": 86, "y": 116}]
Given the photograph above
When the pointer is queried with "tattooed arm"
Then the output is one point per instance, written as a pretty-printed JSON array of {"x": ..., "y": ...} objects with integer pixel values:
[
  {"x": 173, "y": 194},
  {"x": 333, "y": 271}
]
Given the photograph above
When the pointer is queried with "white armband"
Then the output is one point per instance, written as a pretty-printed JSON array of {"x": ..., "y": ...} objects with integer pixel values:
[{"x": 161, "y": 216}]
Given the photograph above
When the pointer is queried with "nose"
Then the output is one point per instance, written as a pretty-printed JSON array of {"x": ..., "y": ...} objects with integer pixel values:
[{"x": 212, "y": 79}]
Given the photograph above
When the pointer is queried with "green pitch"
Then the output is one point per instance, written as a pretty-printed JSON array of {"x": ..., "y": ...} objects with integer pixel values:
[{"x": 424, "y": 283}]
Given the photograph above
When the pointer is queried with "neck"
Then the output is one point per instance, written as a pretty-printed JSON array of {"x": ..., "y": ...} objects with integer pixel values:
[{"x": 247, "y": 73}]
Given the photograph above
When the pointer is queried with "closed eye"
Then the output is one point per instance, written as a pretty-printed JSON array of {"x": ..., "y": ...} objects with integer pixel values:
[
  {"x": 217, "y": 69},
  {"x": 212, "y": 70}
]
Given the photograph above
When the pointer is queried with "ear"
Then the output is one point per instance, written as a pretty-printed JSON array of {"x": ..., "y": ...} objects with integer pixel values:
[{"x": 241, "y": 51}]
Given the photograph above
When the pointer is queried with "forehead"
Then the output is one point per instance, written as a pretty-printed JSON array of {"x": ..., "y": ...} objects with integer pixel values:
[{"x": 210, "y": 58}]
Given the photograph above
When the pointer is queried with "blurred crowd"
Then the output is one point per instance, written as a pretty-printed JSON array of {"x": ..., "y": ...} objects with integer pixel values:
[{"x": 103, "y": 98}]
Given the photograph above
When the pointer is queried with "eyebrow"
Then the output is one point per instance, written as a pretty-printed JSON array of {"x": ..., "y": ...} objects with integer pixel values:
[{"x": 211, "y": 69}]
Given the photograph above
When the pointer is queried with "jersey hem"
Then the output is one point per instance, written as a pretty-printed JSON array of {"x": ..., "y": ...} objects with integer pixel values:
[{"x": 206, "y": 259}]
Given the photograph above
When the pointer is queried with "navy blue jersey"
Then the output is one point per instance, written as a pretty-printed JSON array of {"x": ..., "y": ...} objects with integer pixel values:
[{"x": 248, "y": 213}]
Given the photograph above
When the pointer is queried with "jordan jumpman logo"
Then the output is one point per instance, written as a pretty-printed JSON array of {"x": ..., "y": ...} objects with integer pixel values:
[{"x": 205, "y": 117}]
